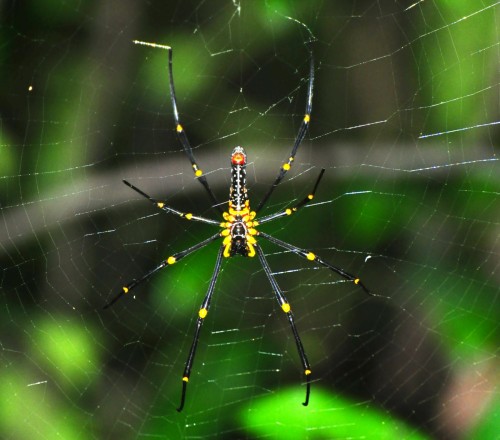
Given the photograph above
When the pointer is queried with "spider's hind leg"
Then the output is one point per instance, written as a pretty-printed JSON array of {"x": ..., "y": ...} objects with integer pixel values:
[{"x": 285, "y": 306}]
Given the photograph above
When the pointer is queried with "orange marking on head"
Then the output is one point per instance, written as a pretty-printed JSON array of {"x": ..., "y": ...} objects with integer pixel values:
[{"x": 238, "y": 159}]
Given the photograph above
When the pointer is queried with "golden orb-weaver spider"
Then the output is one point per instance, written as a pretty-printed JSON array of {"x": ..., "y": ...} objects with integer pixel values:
[{"x": 238, "y": 227}]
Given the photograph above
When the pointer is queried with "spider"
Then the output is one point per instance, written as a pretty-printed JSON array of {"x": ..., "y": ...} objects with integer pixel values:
[{"x": 238, "y": 228}]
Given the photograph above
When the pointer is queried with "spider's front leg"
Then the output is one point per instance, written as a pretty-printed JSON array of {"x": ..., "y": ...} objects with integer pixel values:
[
  {"x": 181, "y": 134},
  {"x": 300, "y": 135}
]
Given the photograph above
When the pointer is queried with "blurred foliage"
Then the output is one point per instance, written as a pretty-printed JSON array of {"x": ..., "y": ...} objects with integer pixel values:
[
  {"x": 81, "y": 103},
  {"x": 489, "y": 424},
  {"x": 456, "y": 69},
  {"x": 333, "y": 417}
]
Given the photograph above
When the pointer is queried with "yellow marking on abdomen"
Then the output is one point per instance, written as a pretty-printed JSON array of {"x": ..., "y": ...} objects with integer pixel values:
[{"x": 242, "y": 212}]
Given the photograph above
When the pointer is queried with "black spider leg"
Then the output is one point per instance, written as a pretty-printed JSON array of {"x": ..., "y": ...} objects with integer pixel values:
[
  {"x": 184, "y": 139},
  {"x": 170, "y": 210},
  {"x": 285, "y": 306},
  {"x": 300, "y": 135},
  {"x": 179, "y": 128},
  {"x": 168, "y": 262},
  {"x": 313, "y": 257},
  {"x": 294, "y": 209},
  {"x": 202, "y": 313}
]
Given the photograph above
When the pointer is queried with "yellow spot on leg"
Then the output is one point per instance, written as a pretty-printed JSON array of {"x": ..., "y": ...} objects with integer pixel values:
[
  {"x": 160, "y": 205},
  {"x": 189, "y": 216},
  {"x": 185, "y": 379},
  {"x": 125, "y": 289},
  {"x": 356, "y": 281},
  {"x": 202, "y": 313},
  {"x": 285, "y": 307},
  {"x": 286, "y": 166},
  {"x": 197, "y": 171},
  {"x": 311, "y": 256},
  {"x": 307, "y": 118},
  {"x": 171, "y": 260},
  {"x": 307, "y": 372},
  {"x": 251, "y": 249},
  {"x": 179, "y": 128}
]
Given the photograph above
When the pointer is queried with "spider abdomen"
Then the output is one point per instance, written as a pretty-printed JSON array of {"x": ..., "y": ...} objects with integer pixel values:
[
  {"x": 239, "y": 225},
  {"x": 238, "y": 191}
]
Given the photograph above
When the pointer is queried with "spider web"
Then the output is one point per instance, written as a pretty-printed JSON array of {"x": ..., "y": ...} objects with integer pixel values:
[{"x": 405, "y": 122}]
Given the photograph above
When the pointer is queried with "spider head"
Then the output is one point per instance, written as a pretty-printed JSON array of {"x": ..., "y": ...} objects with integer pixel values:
[
  {"x": 238, "y": 239},
  {"x": 238, "y": 157},
  {"x": 239, "y": 247}
]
